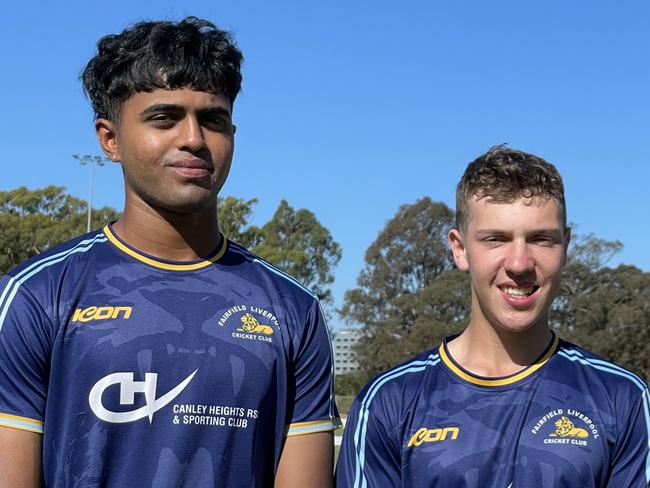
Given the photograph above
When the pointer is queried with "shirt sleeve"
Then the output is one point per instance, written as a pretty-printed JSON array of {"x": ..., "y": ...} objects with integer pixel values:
[
  {"x": 314, "y": 407},
  {"x": 24, "y": 352},
  {"x": 631, "y": 455},
  {"x": 368, "y": 455}
]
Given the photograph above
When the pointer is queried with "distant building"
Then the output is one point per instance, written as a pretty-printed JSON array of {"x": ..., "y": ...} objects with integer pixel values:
[{"x": 342, "y": 342}]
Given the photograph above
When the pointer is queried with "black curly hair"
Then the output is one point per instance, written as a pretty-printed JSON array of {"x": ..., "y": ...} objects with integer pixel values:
[{"x": 150, "y": 55}]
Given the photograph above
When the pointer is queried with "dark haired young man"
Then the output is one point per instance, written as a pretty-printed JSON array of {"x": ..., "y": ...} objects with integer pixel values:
[
  {"x": 154, "y": 352},
  {"x": 506, "y": 403}
]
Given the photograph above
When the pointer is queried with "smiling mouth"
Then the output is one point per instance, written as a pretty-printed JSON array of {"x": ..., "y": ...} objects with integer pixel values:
[{"x": 519, "y": 291}]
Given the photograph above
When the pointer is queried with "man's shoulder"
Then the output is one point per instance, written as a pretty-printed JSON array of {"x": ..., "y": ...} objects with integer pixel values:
[
  {"x": 400, "y": 385},
  {"x": 598, "y": 369},
  {"x": 57, "y": 256},
  {"x": 248, "y": 262},
  {"x": 43, "y": 280}
]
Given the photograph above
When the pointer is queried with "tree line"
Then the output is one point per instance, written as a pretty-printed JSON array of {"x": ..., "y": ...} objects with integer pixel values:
[{"x": 408, "y": 296}]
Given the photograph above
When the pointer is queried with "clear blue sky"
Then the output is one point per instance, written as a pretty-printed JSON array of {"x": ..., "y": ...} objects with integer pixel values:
[{"x": 351, "y": 109}]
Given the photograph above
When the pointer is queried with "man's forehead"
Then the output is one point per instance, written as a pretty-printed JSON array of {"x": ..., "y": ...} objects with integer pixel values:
[
  {"x": 181, "y": 97},
  {"x": 521, "y": 210},
  {"x": 185, "y": 92}
]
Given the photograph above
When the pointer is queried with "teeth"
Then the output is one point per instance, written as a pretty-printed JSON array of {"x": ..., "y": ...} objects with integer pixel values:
[{"x": 523, "y": 291}]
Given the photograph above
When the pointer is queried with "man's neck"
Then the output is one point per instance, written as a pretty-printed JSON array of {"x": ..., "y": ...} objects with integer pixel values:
[
  {"x": 488, "y": 352},
  {"x": 166, "y": 235}
]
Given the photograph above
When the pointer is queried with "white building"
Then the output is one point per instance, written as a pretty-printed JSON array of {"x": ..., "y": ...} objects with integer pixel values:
[{"x": 342, "y": 342}]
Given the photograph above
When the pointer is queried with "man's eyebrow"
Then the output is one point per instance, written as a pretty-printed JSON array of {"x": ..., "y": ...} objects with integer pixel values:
[
  {"x": 215, "y": 111},
  {"x": 553, "y": 231},
  {"x": 490, "y": 232},
  {"x": 171, "y": 107},
  {"x": 161, "y": 107}
]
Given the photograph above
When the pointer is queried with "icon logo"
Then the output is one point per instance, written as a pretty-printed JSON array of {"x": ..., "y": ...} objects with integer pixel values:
[
  {"x": 433, "y": 435},
  {"x": 250, "y": 324},
  {"x": 100, "y": 313},
  {"x": 128, "y": 389},
  {"x": 565, "y": 428}
]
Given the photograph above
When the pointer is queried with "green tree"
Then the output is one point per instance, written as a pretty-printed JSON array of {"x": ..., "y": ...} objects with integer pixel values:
[
  {"x": 296, "y": 242},
  {"x": 592, "y": 251},
  {"x": 293, "y": 240},
  {"x": 32, "y": 221},
  {"x": 349, "y": 384},
  {"x": 409, "y": 295},
  {"x": 587, "y": 254},
  {"x": 234, "y": 216},
  {"x": 613, "y": 320}
]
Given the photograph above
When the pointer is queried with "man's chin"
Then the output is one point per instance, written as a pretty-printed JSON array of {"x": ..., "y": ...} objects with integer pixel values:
[
  {"x": 190, "y": 206},
  {"x": 523, "y": 325}
]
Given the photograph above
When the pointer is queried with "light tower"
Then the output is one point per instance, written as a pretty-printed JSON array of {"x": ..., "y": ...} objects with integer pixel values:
[{"x": 90, "y": 161}]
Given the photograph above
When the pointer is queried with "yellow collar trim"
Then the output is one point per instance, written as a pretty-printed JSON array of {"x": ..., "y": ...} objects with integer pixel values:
[
  {"x": 161, "y": 264},
  {"x": 498, "y": 381}
]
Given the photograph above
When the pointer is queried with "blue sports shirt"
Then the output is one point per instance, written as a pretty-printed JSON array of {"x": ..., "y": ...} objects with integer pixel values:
[
  {"x": 150, "y": 373},
  {"x": 569, "y": 420}
]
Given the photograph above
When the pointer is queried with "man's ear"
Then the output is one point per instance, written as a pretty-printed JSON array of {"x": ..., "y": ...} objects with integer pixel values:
[
  {"x": 458, "y": 250},
  {"x": 107, "y": 136}
]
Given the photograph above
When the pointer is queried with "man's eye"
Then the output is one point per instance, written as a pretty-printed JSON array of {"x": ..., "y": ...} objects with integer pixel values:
[
  {"x": 216, "y": 123},
  {"x": 544, "y": 240},
  {"x": 493, "y": 239},
  {"x": 162, "y": 119}
]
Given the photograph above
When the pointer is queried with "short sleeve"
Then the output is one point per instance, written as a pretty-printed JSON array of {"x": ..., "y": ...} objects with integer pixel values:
[
  {"x": 24, "y": 352},
  {"x": 630, "y": 464},
  {"x": 368, "y": 455},
  {"x": 314, "y": 407}
]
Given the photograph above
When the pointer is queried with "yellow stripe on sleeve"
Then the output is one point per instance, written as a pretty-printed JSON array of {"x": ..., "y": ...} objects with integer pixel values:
[
  {"x": 301, "y": 428},
  {"x": 22, "y": 423}
]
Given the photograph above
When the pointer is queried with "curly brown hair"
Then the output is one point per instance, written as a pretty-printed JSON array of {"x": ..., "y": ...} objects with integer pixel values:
[{"x": 503, "y": 175}]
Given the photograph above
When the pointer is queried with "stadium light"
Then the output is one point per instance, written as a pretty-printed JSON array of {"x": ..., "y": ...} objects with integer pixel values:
[{"x": 91, "y": 161}]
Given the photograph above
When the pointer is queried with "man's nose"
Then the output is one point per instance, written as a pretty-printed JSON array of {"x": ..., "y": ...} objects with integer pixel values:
[
  {"x": 519, "y": 259},
  {"x": 191, "y": 137}
]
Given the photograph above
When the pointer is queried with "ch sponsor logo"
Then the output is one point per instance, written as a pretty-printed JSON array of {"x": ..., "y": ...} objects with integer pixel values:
[
  {"x": 566, "y": 427},
  {"x": 128, "y": 388},
  {"x": 253, "y": 323},
  {"x": 101, "y": 313},
  {"x": 424, "y": 434}
]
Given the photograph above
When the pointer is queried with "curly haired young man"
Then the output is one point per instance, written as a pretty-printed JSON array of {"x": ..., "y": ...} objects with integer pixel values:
[
  {"x": 127, "y": 355},
  {"x": 506, "y": 403}
]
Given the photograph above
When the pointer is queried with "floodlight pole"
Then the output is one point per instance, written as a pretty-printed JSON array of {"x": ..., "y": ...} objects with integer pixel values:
[
  {"x": 90, "y": 197},
  {"x": 90, "y": 161}
]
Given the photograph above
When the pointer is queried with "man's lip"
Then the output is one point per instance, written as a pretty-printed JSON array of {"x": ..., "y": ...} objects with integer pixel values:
[
  {"x": 519, "y": 302},
  {"x": 510, "y": 284},
  {"x": 191, "y": 168},
  {"x": 191, "y": 172},
  {"x": 192, "y": 164}
]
